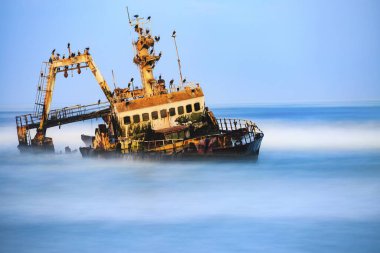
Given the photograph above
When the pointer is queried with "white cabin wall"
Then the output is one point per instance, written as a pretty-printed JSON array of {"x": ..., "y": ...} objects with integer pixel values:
[{"x": 161, "y": 123}]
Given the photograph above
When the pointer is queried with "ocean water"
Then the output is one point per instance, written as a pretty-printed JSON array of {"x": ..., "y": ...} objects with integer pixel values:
[{"x": 314, "y": 188}]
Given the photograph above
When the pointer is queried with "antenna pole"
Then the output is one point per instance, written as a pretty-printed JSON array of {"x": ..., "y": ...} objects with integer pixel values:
[
  {"x": 113, "y": 78},
  {"x": 179, "y": 61},
  {"x": 129, "y": 19}
]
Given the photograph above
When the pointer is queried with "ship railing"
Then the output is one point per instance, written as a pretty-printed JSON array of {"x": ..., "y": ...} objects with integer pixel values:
[
  {"x": 173, "y": 146},
  {"x": 165, "y": 145},
  {"x": 246, "y": 129},
  {"x": 226, "y": 124},
  {"x": 77, "y": 110},
  {"x": 190, "y": 85},
  {"x": 30, "y": 121}
]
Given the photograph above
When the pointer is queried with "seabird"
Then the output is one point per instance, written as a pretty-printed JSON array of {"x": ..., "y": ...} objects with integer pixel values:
[{"x": 174, "y": 33}]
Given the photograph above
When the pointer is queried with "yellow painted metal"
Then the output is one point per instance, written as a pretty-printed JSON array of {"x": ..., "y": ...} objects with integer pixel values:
[
  {"x": 145, "y": 58},
  {"x": 54, "y": 67}
]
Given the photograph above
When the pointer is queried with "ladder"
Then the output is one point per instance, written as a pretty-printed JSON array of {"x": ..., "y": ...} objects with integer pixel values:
[{"x": 41, "y": 91}]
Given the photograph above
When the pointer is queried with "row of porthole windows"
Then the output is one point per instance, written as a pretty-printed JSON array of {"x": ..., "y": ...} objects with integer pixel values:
[{"x": 163, "y": 113}]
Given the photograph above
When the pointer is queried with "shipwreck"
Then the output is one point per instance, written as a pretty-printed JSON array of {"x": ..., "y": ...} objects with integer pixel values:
[{"x": 160, "y": 118}]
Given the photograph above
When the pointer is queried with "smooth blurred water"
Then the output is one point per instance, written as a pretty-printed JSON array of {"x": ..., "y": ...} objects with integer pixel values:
[{"x": 314, "y": 188}]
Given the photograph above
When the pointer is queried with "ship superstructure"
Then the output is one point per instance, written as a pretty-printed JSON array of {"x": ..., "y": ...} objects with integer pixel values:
[{"x": 159, "y": 118}]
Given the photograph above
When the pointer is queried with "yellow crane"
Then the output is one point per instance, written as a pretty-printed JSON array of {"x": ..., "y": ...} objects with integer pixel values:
[{"x": 57, "y": 65}]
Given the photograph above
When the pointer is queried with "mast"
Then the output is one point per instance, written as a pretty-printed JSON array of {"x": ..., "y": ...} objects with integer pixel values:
[
  {"x": 145, "y": 58},
  {"x": 179, "y": 61}
]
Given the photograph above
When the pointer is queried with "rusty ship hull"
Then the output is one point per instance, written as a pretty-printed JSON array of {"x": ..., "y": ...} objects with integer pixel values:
[{"x": 235, "y": 137}]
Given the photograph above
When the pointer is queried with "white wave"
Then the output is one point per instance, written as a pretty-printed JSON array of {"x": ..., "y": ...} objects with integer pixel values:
[{"x": 285, "y": 135}]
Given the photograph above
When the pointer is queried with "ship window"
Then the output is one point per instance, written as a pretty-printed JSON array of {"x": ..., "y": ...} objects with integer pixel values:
[
  {"x": 163, "y": 113},
  {"x": 136, "y": 118},
  {"x": 155, "y": 115},
  {"x": 172, "y": 111},
  {"x": 145, "y": 116},
  {"x": 197, "y": 107},
  {"x": 189, "y": 109},
  {"x": 180, "y": 110},
  {"x": 127, "y": 120}
]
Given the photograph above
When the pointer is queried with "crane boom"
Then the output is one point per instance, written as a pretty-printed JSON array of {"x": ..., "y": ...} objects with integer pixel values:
[{"x": 70, "y": 63}]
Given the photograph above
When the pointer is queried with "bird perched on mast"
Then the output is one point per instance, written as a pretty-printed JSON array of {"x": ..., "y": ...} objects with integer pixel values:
[
  {"x": 174, "y": 34},
  {"x": 148, "y": 18}
]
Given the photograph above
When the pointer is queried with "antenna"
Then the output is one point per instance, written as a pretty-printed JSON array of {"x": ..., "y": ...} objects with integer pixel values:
[
  {"x": 128, "y": 16},
  {"x": 179, "y": 61},
  {"x": 113, "y": 78}
]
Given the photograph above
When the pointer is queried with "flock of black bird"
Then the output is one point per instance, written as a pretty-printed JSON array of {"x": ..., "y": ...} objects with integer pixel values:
[{"x": 87, "y": 49}]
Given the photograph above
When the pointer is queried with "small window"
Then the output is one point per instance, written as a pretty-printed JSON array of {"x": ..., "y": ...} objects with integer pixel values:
[
  {"x": 197, "y": 107},
  {"x": 163, "y": 113},
  {"x": 180, "y": 110},
  {"x": 172, "y": 111},
  {"x": 189, "y": 109},
  {"x": 136, "y": 118},
  {"x": 155, "y": 115},
  {"x": 127, "y": 120},
  {"x": 145, "y": 116}
]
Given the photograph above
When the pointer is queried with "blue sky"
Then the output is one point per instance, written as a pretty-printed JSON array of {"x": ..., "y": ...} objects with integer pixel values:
[{"x": 242, "y": 52}]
